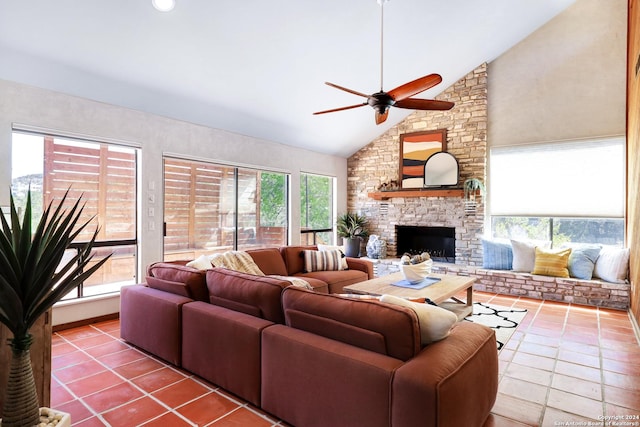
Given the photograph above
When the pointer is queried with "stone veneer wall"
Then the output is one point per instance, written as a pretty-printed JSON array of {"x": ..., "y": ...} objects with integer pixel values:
[{"x": 378, "y": 162}]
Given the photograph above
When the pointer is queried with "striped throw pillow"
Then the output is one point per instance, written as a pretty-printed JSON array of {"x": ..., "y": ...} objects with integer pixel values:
[
  {"x": 324, "y": 260},
  {"x": 552, "y": 263}
]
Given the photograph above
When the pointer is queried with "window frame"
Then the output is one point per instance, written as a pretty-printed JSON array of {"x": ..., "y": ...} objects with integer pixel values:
[
  {"x": 562, "y": 214},
  {"x": 230, "y": 177},
  {"x": 317, "y": 233},
  {"x": 108, "y": 288}
]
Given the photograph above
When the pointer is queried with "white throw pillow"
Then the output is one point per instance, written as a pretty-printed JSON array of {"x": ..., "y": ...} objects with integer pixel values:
[
  {"x": 524, "y": 256},
  {"x": 203, "y": 262},
  {"x": 612, "y": 265},
  {"x": 435, "y": 322},
  {"x": 322, "y": 247}
]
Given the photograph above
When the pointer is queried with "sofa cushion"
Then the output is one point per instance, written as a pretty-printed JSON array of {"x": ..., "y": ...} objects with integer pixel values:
[
  {"x": 435, "y": 322},
  {"x": 293, "y": 259},
  {"x": 497, "y": 254},
  {"x": 269, "y": 261},
  {"x": 179, "y": 279},
  {"x": 203, "y": 262},
  {"x": 368, "y": 324},
  {"x": 550, "y": 262},
  {"x": 582, "y": 260},
  {"x": 524, "y": 254},
  {"x": 330, "y": 260},
  {"x": 336, "y": 280},
  {"x": 168, "y": 286},
  {"x": 255, "y": 295},
  {"x": 612, "y": 264}
]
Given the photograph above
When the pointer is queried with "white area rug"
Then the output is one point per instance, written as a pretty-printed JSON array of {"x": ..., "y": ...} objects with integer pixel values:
[{"x": 503, "y": 320}]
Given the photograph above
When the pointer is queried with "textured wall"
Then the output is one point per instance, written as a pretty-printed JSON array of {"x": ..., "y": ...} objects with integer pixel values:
[
  {"x": 378, "y": 162},
  {"x": 565, "y": 81}
]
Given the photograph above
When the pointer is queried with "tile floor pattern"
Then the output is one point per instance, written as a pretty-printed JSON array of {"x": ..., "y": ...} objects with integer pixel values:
[{"x": 564, "y": 364}]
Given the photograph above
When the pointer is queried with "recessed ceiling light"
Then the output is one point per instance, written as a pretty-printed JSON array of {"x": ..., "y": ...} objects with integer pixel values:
[{"x": 163, "y": 5}]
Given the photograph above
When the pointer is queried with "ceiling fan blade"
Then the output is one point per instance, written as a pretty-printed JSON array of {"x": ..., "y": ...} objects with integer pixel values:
[
  {"x": 346, "y": 89},
  {"x": 424, "y": 104},
  {"x": 381, "y": 117},
  {"x": 340, "y": 109},
  {"x": 415, "y": 87}
]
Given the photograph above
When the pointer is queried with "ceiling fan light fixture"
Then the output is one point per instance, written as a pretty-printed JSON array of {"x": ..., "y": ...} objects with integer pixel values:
[
  {"x": 401, "y": 96},
  {"x": 163, "y": 5}
]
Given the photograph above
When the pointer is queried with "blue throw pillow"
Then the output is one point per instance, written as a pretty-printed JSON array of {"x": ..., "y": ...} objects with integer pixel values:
[
  {"x": 582, "y": 260},
  {"x": 497, "y": 255}
]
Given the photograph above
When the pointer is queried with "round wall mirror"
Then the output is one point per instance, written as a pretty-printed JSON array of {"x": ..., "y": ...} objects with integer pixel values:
[{"x": 441, "y": 169}]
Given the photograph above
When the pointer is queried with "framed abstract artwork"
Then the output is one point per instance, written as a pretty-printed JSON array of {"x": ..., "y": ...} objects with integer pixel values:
[{"x": 415, "y": 149}]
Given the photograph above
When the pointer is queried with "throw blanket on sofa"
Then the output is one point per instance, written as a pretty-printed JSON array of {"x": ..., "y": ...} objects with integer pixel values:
[
  {"x": 295, "y": 281},
  {"x": 237, "y": 261},
  {"x": 242, "y": 262}
]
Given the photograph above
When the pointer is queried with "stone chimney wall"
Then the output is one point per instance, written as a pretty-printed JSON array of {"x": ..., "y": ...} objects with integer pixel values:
[{"x": 378, "y": 163}]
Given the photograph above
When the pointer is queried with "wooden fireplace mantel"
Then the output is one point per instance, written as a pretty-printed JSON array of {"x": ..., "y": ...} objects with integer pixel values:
[{"x": 440, "y": 192}]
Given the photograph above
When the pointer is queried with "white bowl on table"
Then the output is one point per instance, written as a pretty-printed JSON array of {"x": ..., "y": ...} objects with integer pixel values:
[{"x": 416, "y": 273}]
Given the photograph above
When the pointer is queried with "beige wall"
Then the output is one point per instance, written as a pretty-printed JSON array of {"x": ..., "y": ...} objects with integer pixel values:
[
  {"x": 633, "y": 155},
  {"x": 155, "y": 136},
  {"x": 565, "y": 81}
]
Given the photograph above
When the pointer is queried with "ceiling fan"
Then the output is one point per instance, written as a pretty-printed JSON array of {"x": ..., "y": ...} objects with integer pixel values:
[{"x": 399, "y": 97}]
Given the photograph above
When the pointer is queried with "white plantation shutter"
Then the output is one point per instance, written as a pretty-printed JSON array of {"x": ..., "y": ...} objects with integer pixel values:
[{"x": 561, "y": 179}]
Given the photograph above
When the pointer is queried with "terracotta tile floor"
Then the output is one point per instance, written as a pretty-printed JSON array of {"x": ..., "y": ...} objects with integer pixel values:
[{"x": 563, "y": 364}]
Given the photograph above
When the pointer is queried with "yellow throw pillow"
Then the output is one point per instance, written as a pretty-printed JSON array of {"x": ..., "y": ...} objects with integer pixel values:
[{"x": 552, "y": 263}]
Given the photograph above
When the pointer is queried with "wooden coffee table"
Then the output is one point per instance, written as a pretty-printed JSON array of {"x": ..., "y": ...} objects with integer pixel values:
[{"x": 447, "y": 288}]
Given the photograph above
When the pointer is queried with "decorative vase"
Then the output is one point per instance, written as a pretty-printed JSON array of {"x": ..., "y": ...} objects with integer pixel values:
[
  {"x": 352, "y": 247},
  {"x": 376, "y": 247},
  {"x": 416, "y": 273}
]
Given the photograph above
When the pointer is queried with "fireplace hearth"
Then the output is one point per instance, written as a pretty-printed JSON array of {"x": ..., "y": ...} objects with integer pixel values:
[{"x": 439, "y": 242}]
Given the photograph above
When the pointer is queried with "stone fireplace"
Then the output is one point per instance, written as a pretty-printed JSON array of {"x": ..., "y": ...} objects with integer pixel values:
[{"x": 377, "y": 163}]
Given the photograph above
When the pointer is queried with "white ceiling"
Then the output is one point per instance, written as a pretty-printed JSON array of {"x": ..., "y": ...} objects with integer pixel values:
[{"x": 258, "y": 67}]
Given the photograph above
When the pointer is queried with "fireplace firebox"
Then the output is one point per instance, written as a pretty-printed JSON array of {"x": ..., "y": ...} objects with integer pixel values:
[{"x": 439, "y": 242}]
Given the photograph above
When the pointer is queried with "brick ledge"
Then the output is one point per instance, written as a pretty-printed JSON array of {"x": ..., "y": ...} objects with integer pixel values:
[{"x": 596, "y": 293}]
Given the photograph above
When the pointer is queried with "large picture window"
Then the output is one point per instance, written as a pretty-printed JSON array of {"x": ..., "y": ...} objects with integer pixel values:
[
  {"x": 103, "y": 175},
  {"x": 316, "y": 209},
  {"x": 563, "y": 191},
  {"x": 211, "y": 208}
]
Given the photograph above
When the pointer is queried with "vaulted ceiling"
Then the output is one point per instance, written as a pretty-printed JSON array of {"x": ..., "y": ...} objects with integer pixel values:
[{"x": 258, "y": 67}]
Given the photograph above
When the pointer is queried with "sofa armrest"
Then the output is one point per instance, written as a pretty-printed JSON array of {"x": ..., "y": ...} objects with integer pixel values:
[
  {"x": 152, "y": 320},
  {"x": 362, "y": 265},
  {"x": 427, "y": 389}
]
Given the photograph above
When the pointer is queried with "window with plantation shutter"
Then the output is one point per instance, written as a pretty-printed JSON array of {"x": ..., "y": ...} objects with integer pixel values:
[
  {"x": 213, "y": 208},
  {"x": 103, "y": 177}
]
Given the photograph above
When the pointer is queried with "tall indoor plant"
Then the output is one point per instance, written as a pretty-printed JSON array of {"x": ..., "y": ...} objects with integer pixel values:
[
  {"x": 353, "y": 229},
  {"x": 33, "y": 277}
]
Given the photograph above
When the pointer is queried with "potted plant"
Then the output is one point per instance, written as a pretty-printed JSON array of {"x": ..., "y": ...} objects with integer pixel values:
[
  {"x": 471, "y": 188},
  {"x": 353, "y": 229},
  {"x": 33, "y": 277}
]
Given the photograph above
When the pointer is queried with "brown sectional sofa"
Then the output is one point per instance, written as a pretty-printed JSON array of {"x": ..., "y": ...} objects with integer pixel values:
[{"x": 310, "y": 358}]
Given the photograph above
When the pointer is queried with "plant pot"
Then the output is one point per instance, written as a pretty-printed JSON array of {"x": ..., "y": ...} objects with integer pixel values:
[{"x": 351, "y": 247}]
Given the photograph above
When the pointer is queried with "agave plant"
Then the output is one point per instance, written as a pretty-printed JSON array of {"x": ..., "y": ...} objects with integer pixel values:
[
  {"x": 351, "y": 225},
  {"x": 353, "y": 228},
  {"x": 32, "y": 279}
]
